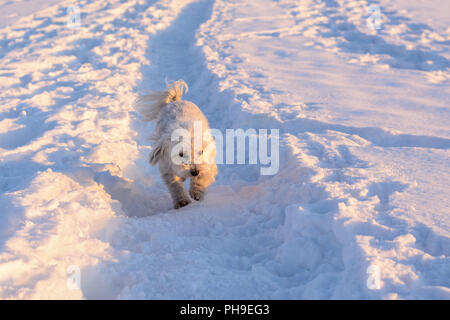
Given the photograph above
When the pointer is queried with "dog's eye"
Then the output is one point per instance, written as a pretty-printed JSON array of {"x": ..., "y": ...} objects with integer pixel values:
[{"x": 181, "y": 154}]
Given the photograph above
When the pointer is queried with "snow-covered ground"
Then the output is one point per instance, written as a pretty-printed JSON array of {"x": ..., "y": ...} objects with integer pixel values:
[{"x": 359, "y": 208}]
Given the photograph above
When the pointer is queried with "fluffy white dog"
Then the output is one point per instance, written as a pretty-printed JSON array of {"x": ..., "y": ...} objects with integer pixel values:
[{"x": 183, "y": 146}]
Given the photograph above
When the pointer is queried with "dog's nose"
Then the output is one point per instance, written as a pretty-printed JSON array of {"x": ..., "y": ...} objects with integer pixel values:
[{"x": 194, "y": 172}]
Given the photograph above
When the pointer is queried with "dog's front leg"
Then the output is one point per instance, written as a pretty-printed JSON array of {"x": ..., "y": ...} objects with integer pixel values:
[
  {"x": 196, "y": 190},
  {"x": 199, "y": 183},
  {"x": 176, "y": 189},
  {"x": 198, "y": 186}
]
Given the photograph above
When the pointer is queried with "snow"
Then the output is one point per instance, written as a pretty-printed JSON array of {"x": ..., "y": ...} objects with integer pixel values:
[{"x": 359, "y": 208}]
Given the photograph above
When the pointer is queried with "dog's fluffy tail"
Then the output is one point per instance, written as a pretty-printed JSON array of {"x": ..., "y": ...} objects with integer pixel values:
[{"x": 150, "y": 105}]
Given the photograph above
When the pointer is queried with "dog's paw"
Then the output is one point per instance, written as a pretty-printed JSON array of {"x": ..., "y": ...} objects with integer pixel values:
[
  {"x": 197, "y": 194},
  {"x": 182, "y": 203}
]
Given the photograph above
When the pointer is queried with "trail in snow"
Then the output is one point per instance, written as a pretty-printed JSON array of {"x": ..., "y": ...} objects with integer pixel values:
[
  {"x": 305, "y": 248},
  {"x": 354, "y": 190}
]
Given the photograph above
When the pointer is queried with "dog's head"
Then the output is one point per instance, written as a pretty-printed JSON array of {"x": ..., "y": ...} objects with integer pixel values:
[{"x": 188, "y": 156}]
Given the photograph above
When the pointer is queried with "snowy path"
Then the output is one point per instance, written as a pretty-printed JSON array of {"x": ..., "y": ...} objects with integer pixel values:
[{"x": 358, "y": 186}]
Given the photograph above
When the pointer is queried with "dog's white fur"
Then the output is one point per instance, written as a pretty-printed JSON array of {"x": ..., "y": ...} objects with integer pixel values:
[{"x": 172, "y": 113}]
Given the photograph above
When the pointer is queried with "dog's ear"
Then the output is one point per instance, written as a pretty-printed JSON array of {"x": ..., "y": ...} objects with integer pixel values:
[{"x": 157, "y": 152}]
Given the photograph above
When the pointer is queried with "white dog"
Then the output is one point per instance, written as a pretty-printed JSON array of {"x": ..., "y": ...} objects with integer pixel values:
[{"x": 191, "y": 158}]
